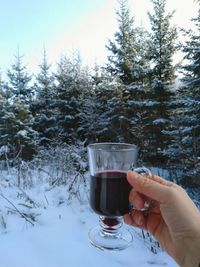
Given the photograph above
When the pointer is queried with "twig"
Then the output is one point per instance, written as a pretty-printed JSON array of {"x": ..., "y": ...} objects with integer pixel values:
[
  {"x": 72, "y": 183},
  {"x": 7, "y": 163},
  {"x": 46, "y": 199},
  {"x": 17, "y": 209},
  {"x": 25, "y": 205}
]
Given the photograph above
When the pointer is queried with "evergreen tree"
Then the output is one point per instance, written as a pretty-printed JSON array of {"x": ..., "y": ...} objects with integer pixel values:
[
  {"x": 43, "y": 107},
  {"x": 138, "y": 108},
  {"x": 162, "y": 44},
  {"x": 127, "y": 62},
  {"x": 17, "y": 120},
  {"x": 186, "y": 146},
  {"x": 89, "y": 112},
  {"x": 107, "y": 95},
  {"x": 99, "y": 109},
  {"x": 44, "y": 81},
  {"x": 19, "y": 79},
  {"x": 127, "y": 52},
  {"x": 162, "y": 48},
  {"x": 69, "y": 92}
]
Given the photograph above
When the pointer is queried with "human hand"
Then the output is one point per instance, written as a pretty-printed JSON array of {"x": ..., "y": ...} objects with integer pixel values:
[{"x": 174, "y": 220}]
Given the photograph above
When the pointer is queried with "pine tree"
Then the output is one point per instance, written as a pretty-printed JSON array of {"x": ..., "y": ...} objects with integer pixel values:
[
  {"x": 107, "y": 95},
  {"x": 43, "y": 106},
  {"x": 163, "y": 43},
  {"x": 19, "y": 135},
  {"x": 69, "y": 92},
  {"x": 89, "y": 112},
  {"x": 161, "y": 52},
  {"x": 186, "y": 146},
  {"x": 138, "y": 109},
  {"x": 126, "y": 59},
  {"x": 127, "y": 62},
  {"x": 19, "y": 79},
  {"x": 45, "y": 80}
]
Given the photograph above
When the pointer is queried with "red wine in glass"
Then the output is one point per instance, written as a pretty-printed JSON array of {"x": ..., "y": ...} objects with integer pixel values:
[{"x": 109, "y": 193}]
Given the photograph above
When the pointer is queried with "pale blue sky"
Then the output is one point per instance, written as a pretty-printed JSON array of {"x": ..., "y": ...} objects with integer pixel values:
[
  {"x": 31, "y": 23},
  {"x": 66, "y": 25}
]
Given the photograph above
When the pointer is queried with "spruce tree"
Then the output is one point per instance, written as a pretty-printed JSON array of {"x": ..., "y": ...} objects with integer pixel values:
[
  {"x": 19, "y": 134},
  {"x": 19, "y": 79},
  {"x": 107, "y": 95},
  {"x": 99, "y": 116},
  {"x": 126, "y": 51},
  {"x": 89, "y": 112},
  {"x": 70, "y": 85},
  {"x": 43, "y": 106},
  {"x": 186, "y": 131},
  {"x": 127, "y": 63},
  {"x": 162, "y": 46}
]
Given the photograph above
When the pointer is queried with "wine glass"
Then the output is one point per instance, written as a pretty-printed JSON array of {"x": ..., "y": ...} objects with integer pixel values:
[{"x": 109, "y": 192}]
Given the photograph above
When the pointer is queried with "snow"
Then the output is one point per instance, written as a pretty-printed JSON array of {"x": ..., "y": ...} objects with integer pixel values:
[
  {"x": 59, "y": 237},
  {"x": 160, "y": 121},
  {"x": 22, "y": 133},
  {"x": 144, "y": 103},
  {"x": 4, "y": 149}
]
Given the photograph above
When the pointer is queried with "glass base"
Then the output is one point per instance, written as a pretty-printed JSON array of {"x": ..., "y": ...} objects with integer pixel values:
[{"x": 106, "y": 240}]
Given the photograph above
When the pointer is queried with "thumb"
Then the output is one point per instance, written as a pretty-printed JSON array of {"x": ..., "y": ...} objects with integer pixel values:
[{"x": 149, "y": 187}]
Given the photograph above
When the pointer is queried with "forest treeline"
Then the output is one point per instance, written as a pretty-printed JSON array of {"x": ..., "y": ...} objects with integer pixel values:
[{"x": 134, "y": 97}]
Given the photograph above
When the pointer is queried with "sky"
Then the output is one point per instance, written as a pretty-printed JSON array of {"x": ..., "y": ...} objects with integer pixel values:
[{"x": 64, "y": 26}]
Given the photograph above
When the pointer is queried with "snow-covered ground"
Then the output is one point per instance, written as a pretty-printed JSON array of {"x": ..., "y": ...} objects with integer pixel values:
[{"x": 59, "y": 236}]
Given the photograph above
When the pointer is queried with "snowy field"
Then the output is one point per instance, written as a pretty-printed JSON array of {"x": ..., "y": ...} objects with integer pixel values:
[{"x": 42, "y": 227}]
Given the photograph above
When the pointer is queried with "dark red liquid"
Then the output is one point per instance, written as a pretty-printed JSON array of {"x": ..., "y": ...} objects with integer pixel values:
[{"x": 109, "y": 193}]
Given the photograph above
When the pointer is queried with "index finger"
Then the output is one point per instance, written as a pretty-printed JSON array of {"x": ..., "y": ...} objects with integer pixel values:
[{"x": 155, "y": 187}]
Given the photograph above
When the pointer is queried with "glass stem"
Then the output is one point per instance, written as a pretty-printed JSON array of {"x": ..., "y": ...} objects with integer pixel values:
[{"x": 110, "y": 226}]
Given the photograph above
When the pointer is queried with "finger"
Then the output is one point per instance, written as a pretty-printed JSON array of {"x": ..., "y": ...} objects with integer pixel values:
[
  {"x": 160, "y": 180},
  {"x": 128, "y": 220},
  {"x": 136, "y": 199},
  {"x": 151, "y": 188},
  {"x": 137, "y": 218}
]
